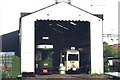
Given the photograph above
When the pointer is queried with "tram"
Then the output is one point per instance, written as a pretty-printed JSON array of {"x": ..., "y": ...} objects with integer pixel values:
[
  {"x": 72, "y": 60},
  {"x": 44, "y": 63}
]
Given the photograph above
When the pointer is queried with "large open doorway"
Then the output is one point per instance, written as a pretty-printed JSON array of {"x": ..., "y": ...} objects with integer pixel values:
[{"x": 63, "y": 35}]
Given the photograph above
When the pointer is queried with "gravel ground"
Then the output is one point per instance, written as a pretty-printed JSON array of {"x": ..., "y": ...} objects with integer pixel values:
[{"x": 65, "y": 77}]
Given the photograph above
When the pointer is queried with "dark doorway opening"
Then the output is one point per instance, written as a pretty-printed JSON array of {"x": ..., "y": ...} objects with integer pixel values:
[{"x": 63, "y": 35}]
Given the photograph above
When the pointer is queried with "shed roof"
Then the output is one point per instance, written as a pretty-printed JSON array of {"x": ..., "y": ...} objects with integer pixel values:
[{"x": 27, "y": 14}]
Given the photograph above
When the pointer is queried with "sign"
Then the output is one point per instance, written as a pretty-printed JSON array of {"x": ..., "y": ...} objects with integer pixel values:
[
  {"x": 45, "y": 38},
  {"x": 45, "y": 46}
]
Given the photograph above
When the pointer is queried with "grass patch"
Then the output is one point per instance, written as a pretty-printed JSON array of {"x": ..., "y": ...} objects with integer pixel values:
[{"x": 101, "y": 76}]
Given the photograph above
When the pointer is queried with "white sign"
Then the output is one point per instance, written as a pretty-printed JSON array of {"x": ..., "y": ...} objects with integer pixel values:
[
  {"x": 45, "y": 46},
  {"x": 45, "y": 38}
]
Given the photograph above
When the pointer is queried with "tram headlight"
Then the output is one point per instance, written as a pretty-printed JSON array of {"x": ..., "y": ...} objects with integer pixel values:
[{"x": 45, "y": 64}]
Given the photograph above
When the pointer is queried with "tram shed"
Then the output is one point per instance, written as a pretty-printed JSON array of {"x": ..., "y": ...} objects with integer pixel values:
[{"x": 66, "y": 27}]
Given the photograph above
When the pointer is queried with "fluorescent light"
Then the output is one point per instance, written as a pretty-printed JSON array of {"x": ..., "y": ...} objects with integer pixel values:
[
  {"x": 57, "y": 30},
  {"x": 62, "y": 26},
  {"x": 73, "y": 23}
]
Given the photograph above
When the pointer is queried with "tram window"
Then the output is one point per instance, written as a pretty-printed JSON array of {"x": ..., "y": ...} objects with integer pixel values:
[
  {"x": 46, "y": 55},
  {"x": 73, "y": 57}
]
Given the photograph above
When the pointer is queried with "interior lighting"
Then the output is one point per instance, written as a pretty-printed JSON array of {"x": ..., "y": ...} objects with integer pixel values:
[
  {"x": 73, "y": 23},
  {"x": 57, "y": 30},
  {"x": 62, "y": 26}
]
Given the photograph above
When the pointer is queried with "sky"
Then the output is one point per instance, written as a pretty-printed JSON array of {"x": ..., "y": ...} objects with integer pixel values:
[{"x": 10, "y": 12}]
